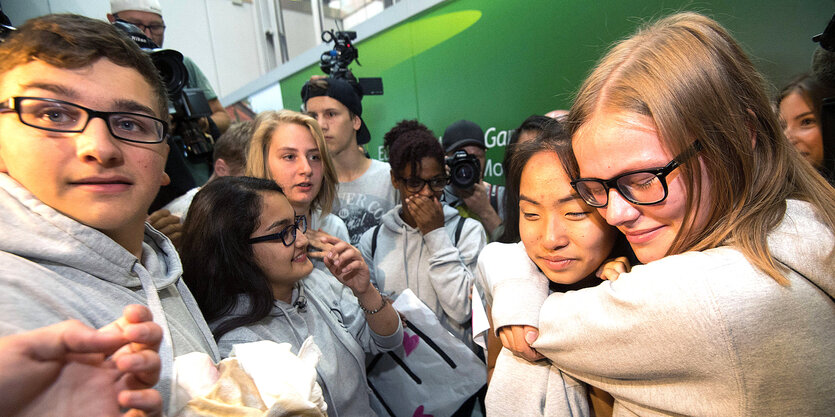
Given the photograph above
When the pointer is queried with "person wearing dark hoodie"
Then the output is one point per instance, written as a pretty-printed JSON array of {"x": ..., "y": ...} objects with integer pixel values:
[
  {"x": 423, "y": 244},
  {"x": 82, "y": 126},
  {"x": 245, "y": 258}
]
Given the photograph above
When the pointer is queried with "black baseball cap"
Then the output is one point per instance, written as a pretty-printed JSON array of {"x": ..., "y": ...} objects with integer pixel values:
[
  {"x": 462, "y": 133},
  {"x": 343, "y": 92}
]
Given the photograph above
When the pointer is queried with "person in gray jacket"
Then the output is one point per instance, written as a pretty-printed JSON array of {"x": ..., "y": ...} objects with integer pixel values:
[
  {"x": 422, "y": 244},
  {"x": 245, "y": 258},
  {"x": 732, "y": 313},
  {"x": 82, "y": 123}
]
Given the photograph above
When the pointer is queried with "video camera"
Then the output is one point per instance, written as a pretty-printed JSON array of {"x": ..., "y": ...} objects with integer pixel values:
[
  {"x": 826, "y": 39},
  {"x": 188, "y": 105},
  {"x": 464, "y": 169},
  {"x": 5, "y": 25},
  {"x": 335, "y": 62}
]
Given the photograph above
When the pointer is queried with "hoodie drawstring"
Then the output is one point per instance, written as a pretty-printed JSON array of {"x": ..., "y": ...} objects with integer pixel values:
[
  {"x": 194, "y": 310},
  {"x": 166, "y": 348}
]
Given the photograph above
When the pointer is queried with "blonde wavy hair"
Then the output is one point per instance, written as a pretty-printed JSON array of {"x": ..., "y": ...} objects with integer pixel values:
[
  {"x": 257, "y": 162},
  {"x": 695, "y": 82}
]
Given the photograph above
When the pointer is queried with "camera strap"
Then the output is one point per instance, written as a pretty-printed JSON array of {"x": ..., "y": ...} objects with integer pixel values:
[{"x": 494, "y": 196}]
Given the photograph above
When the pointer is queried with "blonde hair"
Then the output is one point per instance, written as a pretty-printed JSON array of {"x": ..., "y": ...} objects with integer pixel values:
[
  {"x": 257, "y": 161},
  {"x": 689, "y": 76}
]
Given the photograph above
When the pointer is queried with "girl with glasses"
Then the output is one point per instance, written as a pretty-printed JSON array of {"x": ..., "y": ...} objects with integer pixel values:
[
  {"x": 289, "y": 148},
  {"x": 245, "y": 260},
  {"x": 567, "y": 241},
  {"x": 732, "y": 311},
  {"x": 422, "y": 244}
]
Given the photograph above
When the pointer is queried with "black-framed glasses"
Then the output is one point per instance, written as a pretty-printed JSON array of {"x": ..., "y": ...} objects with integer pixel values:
[
  {"x": 642, "y": 187},
  {"x": 287, "y": 236},
  {"x": 415, "y": 184},
  {"x": 65, "y": 117},
  {"x": 155, "y": 28}
]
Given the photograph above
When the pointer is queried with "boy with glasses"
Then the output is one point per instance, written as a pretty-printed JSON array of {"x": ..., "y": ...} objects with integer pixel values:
[{"x": 82, "y": 151}]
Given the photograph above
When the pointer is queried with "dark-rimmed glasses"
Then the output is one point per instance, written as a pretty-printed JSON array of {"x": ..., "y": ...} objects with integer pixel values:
[
  {"x": 155, "y": 28},
  {"x": 415, "y": 184},
  {"x": 642, "y": 187},
  {"x": 286, "y": 235},
  {"x": 65, "y": 117}
]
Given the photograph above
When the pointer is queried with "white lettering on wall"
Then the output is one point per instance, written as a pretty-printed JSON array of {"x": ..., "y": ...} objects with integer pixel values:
[
  {"x": 491, "y": 138},
  {"x": 384, "y": 156},
  {"x": 493, "y": 169}
]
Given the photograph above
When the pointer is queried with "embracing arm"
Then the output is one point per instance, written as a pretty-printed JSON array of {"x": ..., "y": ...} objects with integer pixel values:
[
  {"x": 518, "y": 290},
  {"x": 673, "y": 325}
]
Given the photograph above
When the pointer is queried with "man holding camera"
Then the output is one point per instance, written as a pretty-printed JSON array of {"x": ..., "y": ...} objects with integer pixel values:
[
  {"x": 473, "y": 197},
  {"x": 365, "y": 190},
  {"x": 147, "y": 16}
]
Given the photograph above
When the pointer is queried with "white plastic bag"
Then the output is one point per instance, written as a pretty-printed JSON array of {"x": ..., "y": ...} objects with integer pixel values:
[{"x": 434, "y": 373}]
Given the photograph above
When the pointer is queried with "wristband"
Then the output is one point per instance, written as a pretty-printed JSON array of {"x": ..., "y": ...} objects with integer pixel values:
[{"x": 375, "y": 311}]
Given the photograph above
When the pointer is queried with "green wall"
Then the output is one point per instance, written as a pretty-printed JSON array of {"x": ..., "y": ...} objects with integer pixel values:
[{"x": 496, "y": 62}]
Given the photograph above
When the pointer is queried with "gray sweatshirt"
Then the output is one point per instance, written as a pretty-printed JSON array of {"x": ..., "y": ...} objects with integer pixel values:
[
  {"x": 53, "y": 268},
  {"x": 331, "y": 314},
  {"x": 700, "y": 333},
  {"x": 519, "y": 387},
  {"x": 436, "y": 270}
]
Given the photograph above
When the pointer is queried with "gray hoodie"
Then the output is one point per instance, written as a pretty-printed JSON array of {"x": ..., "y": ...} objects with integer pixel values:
[
  {"x": 327, "y": 310},
  {"x": 436, "y": 270},
  {"x": 700, "y": 333},
  {"x": 53, "y": 268}
]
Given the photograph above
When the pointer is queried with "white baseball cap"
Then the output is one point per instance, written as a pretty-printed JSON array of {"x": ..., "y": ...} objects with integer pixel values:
[{"x": 150, "y": 6}]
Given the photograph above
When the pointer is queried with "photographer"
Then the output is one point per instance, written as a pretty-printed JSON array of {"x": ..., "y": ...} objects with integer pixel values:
[
  {"x": 147, "y": 16},
  {"x": 468, "y": 192}
]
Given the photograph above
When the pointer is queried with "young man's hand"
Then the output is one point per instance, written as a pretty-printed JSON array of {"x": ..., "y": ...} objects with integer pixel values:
[
  {"x": 72, "y": 369},
  {"x": 168, "y": 224}
]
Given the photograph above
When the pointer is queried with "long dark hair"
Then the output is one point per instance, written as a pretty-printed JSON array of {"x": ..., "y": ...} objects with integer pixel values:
[
  {"x": 536, "y": 124},
  {"x": 218, "y": 263},
  {"x": 553, "y": 138},
  {"x": 687, "y": 74}
]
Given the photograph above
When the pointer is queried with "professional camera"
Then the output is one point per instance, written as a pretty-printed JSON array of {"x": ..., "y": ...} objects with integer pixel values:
[
  {"x": 335, "y": 62},
  {"x": 6, "y": 27},
  {"x": 189, "y": 105},
  {"x": 826, "y": 39},
  {"x": 464, "y": 169}
]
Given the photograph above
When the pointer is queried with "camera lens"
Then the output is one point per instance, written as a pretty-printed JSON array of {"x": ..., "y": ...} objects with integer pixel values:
[
  {"x": 464, "y": 169},
  {"x": 172, "y": 70},
  {"x": 464, "y": 173}
]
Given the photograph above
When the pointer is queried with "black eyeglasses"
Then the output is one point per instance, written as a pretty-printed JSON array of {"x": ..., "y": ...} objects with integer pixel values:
[
  {"x": 642, "y": 187},
  {"x": 155, "y": 28},
  {"x": 415, "y": 184},
  {"x": 286, "y": 235},
  {"x": 62, "y": 116}
]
